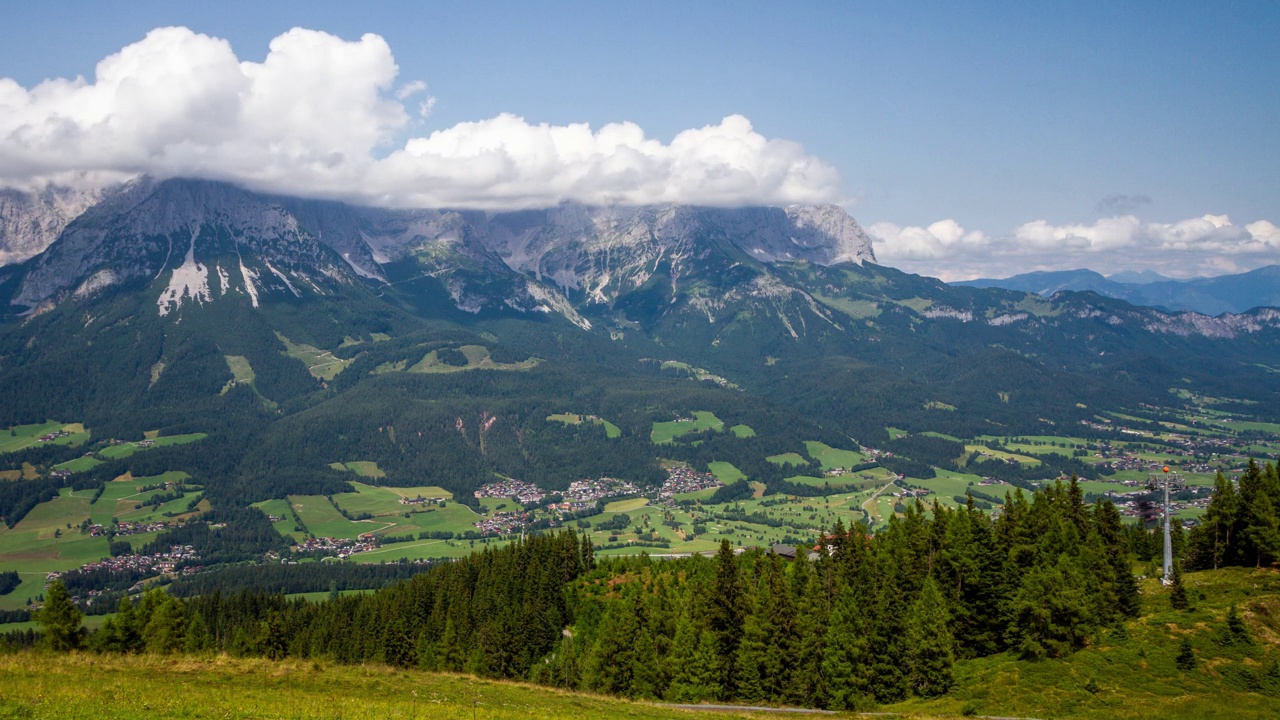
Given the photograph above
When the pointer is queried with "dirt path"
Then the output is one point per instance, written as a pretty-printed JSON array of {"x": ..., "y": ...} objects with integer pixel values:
[{"x": 874, "y": 496}]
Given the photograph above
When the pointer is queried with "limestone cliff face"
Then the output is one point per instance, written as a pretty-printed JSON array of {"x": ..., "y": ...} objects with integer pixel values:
[{"x": 31, "y": 221}]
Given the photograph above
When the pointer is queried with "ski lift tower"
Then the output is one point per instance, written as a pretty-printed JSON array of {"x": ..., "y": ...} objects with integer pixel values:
[{"x": 1166, "y": 480}]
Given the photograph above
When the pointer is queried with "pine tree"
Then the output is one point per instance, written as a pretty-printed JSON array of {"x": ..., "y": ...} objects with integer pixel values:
[
  {"x": 846, "y": 662},
  {"x": 588, "y": 553},
  {"x": 1050, "y": 613},
  {"x": 60, "y": 620},
  {"x": 1237, "y": 633},
  {"x": 608, "y": 665},
  {"x": 1186, "y": 659},
  {"x": 930, "y": 643},
  {"x": 696, "y": 660},
  {"x": 398, "y": 648},
  {"x": 752, "y": 672},
  {"x": 1177, "y": 590},
  {"x": 1263, "y": 530},
  {"x": 726, "y": 612},
  {"x": 805, "y": 685},
  {"x": 450, "y": 652},
  {"x": 166, "y": 628},
  {"x": 646, "y": 679},
  {"x": 1210, "y": 544},
  {"x": 197, "y": 638}
]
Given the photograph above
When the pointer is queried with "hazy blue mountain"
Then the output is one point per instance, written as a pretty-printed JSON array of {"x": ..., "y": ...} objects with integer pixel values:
[
  {"x": 1136, "y": 277},
  {"x": 1211, "y": 296}
]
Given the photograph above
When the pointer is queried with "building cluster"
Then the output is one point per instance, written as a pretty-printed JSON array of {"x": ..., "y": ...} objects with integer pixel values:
[
  {"x": 684, "y": 479},
  {"x": 590, "y": 491},
  {"x": 127, "y": 528},
  {"x": 50, "y": 437},
  {"x": 420, "y": 501},
  {"x": 342, "y": 547},
  {"x": 503, "y": 523},
  {"x": 523, "y": 492},
  {"x": 160, "y": 562}
]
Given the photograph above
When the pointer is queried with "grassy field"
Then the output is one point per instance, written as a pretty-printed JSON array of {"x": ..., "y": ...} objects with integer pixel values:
[
  {"x": 610, "y": 430},
  {"x": 665, "y": 432},
  {"x": 787, "y": 459},
  {"x": 987, "y": 454},
  {"x": 91, "y": 687},
  {"x": 49, "y": 537},
  {"x": 126, "y": 449},
  {"x": 832, "y": 458},
  {"x": 241, "y": 371},
  {"x": 320, "y": 363},
  {"x": 477, "y": 359},
  {"x": 363, "y": 468},
  {"x": 742, "y": 431},
  {"x": 626, "y": 506},
  {"x": 21, "y": 437},
  {"x": 726, "y": 472}
]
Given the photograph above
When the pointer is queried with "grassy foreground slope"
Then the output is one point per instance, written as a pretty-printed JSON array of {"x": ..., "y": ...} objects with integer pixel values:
[
  {"x": 1134, "y": 673},
  {"x": 148, "y": 686}
]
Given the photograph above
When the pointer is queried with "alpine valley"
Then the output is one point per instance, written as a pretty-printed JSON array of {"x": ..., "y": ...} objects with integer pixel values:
[{"x": 214, "y": 389}]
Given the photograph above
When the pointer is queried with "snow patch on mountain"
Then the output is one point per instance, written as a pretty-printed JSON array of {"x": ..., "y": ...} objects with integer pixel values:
[
  {"x": 249, "y": 288},
  {"x": 190, "y": 280}
]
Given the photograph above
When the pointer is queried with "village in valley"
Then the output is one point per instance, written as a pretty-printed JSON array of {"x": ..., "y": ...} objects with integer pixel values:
[{"x": 379, "y": 522}]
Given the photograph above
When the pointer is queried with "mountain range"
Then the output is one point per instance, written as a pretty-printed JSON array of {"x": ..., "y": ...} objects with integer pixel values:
[
  {"x": 300, "y": 333},
  {"x": 1211, "y": 296}
]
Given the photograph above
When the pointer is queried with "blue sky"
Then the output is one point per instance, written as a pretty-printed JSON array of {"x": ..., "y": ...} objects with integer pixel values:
[{"x": 951, "y": 126}]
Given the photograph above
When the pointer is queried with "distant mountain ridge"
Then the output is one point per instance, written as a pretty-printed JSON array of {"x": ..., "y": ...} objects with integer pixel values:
[{"x": 1210, "y": 296}]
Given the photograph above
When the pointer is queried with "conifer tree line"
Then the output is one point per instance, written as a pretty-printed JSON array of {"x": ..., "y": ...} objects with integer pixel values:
[
  {"x": 1242, "y": 523},
  {"x": 872, "y": 619}
]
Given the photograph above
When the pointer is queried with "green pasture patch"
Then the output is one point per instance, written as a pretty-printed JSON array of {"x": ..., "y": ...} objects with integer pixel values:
[
  {"x": 124, "y": 450},
  {"x": 241, "y": 372},
  {"x": 618, "y": 506},
  {"x": 280, "y": 508},
  {"x": 320, "y": 363},
  {"x": 477, "y": 359},
  {"x": 387, "y": 367},
  {"x": 665, "y": 432},
  {"x": 986, "y": 454},
  {"x": 916, "y": 303},
  {"x": 949, "y": 483},
  {"x": 80, "y": 464},
  {"x": 43, "y": 543},
  {"x": 742, "y": 431},
  {"x": 895, "y": 433},
  {"x": 787, "y": 459},
  {"x": 323, "y": 519},
  {"x": 832, "y": 458},
  {"x": 21, "y": 437},
  {"x": 701, "y": 495},
  {"x": 725, "y": 472},
  {"x": 324, "y": 595},
  {"x": 939, "y": 405},
  {"x": 856, "y": 309},
  {"x": 363, "y": 468},
  {"x": 944, "y": 436},
  {"x": 376, "y": 501},
  {"x": 611, "y": 431},
  {"x": 426, "y": 491}
]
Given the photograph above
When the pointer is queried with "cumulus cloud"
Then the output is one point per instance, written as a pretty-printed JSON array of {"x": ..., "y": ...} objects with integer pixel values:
[
  {"x": 1207, "y": 245},
  {"x": 323, "y": 117}
]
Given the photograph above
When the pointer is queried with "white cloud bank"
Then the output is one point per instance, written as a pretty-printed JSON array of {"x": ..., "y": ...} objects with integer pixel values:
[
  {"x": 321, "y": 116},
  {"x": 1208, "y": 245}
]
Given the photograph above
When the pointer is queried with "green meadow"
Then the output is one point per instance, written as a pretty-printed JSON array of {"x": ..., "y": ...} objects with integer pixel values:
[
  {"x": 665, "y": 432},
  {"x": 610, "y": 430},
  {"x": 21, "y": 437}
]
